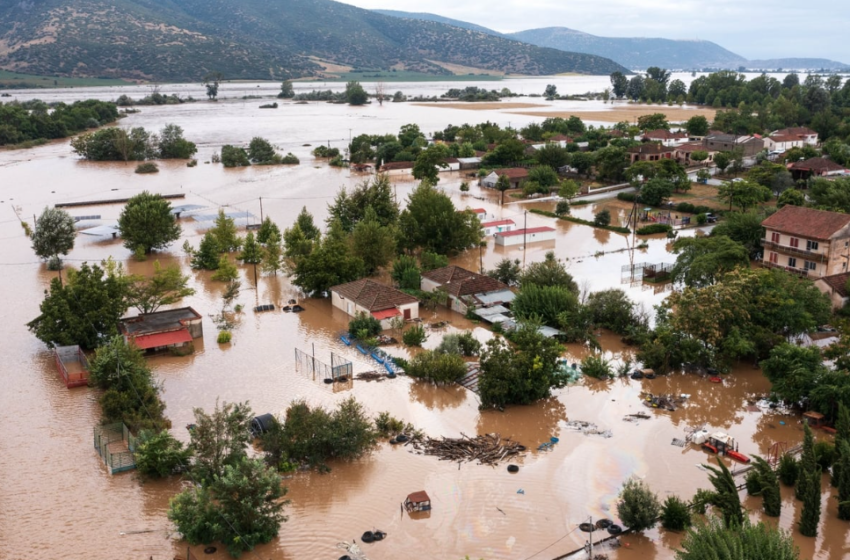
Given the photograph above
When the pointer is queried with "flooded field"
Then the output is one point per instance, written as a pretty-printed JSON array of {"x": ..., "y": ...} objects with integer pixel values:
[{"x": 56, "y": 499}]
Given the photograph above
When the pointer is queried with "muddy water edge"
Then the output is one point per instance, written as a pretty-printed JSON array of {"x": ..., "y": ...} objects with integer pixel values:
[{"x": 57, "y": 500}]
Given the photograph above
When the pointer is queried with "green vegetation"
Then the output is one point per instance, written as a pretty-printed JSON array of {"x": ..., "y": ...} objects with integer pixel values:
[
  {"x": 715, "y": 541},
  {"x": 364, "y": 327},
  {"x": 414, "y": 336},
  {"x": 653, "y": 229},
  {"x": 54, "y": 235},
  {"x": 18, "y": 80},
  {"x": 146, "y": 223},
  {"x": 463, "y": 344},
  {"x": 159, "y": 454},
  {"x": 147, "y": 167},
  {"x": 165, "y": 287},
  {"x": 616, "y": 229},
  {"x": 638, "y": 506},
  {"x": 675, "y": 514},
  {"x": 135, "y": 144},
  {"x": 35, "y": 121},
  {"x": 725, "y": 497},
  {"x": 437, "y": 367},
  {"x": 431, "y": 222}
]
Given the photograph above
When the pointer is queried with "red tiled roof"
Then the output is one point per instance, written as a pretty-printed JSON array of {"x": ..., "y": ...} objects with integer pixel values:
[
  {"x": 817, "y": 164},
  {"x": 418, "y": 497},
  {"x": 477, "y": 210},
  {"x": 664, "y": 134},
  {"x": 498, "y": 223},
  {"x": 796, "y": 131},
  {"x": 524, "y": 231},
  {"x": 513, "y": 172},
  {"x": 461, "y": 282},
  {"x": 373, "y": 295},
  {"x": 386, "y": 314},
  {"x": 784, "y": 138},
  {"x": 651, "y": 148},
  {"x": 162, "y": 339},
  {"x": 838, "y": 282},
  {"x": 561, "y": 138},
  {"x": 807, "y": 222}
]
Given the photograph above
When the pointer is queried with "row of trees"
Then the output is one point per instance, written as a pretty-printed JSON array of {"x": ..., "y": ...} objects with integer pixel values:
[
  {"x": 135, "y": 144},
  {"x": 259, "y": 152},
  {"x": 36, "y": 120}
]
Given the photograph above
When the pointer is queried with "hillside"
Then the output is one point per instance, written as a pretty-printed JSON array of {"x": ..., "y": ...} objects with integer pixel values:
[
  {"x": 439, "y": 19},
  {"x": 182, "y": 40},
  {"x": 797, "y": 64}
]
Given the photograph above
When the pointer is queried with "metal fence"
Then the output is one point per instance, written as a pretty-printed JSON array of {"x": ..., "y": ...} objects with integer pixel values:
[
  {"x": 72, "y": 365},
  {"x": 115, "y": 445},
  {"x": 338, "y": 369}
]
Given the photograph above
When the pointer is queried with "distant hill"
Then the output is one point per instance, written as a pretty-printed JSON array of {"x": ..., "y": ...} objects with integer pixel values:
[
  {"x": 439, "y": 19},
  {"x": 182, "y": 40},
  {"x": 797, "y": 64},
  {"x": 635, "y": 52}
]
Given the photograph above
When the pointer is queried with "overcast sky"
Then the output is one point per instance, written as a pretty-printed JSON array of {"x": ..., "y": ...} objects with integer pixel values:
[{"x": 754, "y": 29}]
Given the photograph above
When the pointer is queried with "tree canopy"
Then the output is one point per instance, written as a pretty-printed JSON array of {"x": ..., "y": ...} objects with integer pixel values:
[
  {"x": 54, "y": 234},
  {"x": 431, "y": 222},
  {"x": 146, "y": 223}
]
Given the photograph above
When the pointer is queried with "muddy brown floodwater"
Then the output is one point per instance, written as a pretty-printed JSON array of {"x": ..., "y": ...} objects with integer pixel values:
[{"x": 56, "y": 500}]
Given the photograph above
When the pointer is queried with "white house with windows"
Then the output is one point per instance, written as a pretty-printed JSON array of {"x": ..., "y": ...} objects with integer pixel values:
[
  {"x": 813, "y": 243},
  {"x": 373, "y": 298},
  {"x": 495, "y": 226}
]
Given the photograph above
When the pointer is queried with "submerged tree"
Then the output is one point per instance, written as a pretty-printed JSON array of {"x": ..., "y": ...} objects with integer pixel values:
[
  {"x": 53, "y": 236},
  {"x": 810, "y": 516},
  {"x": 638, "y": 506},
  {"x": 715, "y": 541},
  {"x": 167, "y": 286},
  {"x": 147, "y": 224},
  {"x": 725, "y": 496}
]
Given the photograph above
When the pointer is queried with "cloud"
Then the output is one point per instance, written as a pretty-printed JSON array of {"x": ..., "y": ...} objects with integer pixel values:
[{"x": 751, "y": 28}]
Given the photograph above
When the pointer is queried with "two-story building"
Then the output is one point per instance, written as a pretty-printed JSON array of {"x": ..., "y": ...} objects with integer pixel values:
[
  {"x": 722, "y": 142},
  {"x": 665, "y": 137},
  {"x": 801, "y": 133},
  {"x": 814, "y": 243},
  {"x": 650, "y": 151}
]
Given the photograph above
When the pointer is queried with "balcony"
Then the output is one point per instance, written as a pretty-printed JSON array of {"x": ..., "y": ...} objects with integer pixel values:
[
  {"x": 797, "y": 271},
  {"x": 815, "y": 256}
]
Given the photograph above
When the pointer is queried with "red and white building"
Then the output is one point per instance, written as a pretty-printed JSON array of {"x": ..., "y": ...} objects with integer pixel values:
[
  {"x": 528, "y": 235},
  {"x": 496, "y": 226}
]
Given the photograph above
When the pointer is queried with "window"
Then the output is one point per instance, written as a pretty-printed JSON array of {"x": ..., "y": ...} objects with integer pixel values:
[
  {"x": 792, "y": 262},
  {"x": 774, "y": 237},
  {"x": 811, "y": 245},
  {"x": 774, "y": 258},
  {"x": 794, "y": 242},
  {"x": 809, "y": 265}
]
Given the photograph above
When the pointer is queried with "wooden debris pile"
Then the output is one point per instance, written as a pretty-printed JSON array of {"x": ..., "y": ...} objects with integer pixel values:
[
  {"x": 371, "y": 376},
  {"x": 488, "y": 449}
]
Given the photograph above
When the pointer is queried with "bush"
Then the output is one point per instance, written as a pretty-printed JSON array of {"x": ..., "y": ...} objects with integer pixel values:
[
  {"x": 231, "y": 156},
  {"x": 597, "y": 367},
  {"x": 753, "y": 483},
  {"x": 627, "y": 196},
  {"x": 789, "y": 469},
  {"x": 638, "y": 506},
  {"x": 414, "y": 336},
  {"x": 563, "y": 207},
  {"x": 325, "y": 152},
  {"x": 147, "y": 167},
  {"x": 337, "y": 161},
  {"x": 192, "y": 163},
  {"x": 224, "y": 337},
  {"x": 387, "y": 425},
  {"x": 460, "y": 344},
  {"x": 675, "y": 515},
  {"x": 602, "y": 218},
  {"x": 437, "y": 367},
  {"x": 825, "y": 454},
  {"x": 290, "y": 159},
  {"x": 464, "y": 187},
  {"x": 226, "y": 270},
  {"x": 654, "y": 228},
  {"x": 701, "y": 500},
  {"x": 159, "y": 454},
  {"x": 568, "y": 218},
  {"x": 365, "y": 326},
  {"x": 702, "y": 219}
]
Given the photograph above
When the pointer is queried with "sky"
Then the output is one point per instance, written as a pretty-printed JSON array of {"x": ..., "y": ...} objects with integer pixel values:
[{"x": 754, "y": 29}]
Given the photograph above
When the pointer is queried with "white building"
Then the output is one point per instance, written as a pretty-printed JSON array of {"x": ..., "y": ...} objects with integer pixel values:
[
  {"x": 529, "y": 235},
  {"x": 490, "y": 228},
  {"x": 373, "y": 298}
]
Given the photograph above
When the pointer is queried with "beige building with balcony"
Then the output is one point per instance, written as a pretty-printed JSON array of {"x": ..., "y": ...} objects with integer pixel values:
[{"x": 813, "y": 243}]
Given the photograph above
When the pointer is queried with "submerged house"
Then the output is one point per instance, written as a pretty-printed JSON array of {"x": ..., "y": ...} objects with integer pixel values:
[
  {"x": 521, "y": 236},
  {"x": 466, "y": 288},
  {"x": 373, "y": 298},
  {"x": 173, "y": 328},
  {"x": 516, "y": 176},
  {"x": 809, "y": 242}
]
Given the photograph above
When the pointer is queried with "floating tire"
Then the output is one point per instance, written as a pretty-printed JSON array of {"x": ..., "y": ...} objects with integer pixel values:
[
  {"x": 393, "y": 441},
  {"x": 614, "y": 529},
  {"x": 379, "y": 535},
  {"x": 210, "y": 550},
  {"x": 401, "y": 438},
  {"x": 328, "y": 380},
  {"x": 368, "y": 537},
  {"x": 650, "y": 376},
  {"x": 513, "y": 469},
  {"x": 637, "y": 375},
  {"x": 346, "y": 557},
  {"x": 604, "y": 523},
  {"x": 520, "y": 448},
  {"x": 586, "y": 527}
]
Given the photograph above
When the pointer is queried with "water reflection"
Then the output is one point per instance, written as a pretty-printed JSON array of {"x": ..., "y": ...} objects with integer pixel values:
[{"x": 437, "y": 397}]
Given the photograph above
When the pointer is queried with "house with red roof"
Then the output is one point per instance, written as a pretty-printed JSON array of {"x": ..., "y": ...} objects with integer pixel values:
[
  {"x": 466, "y": 288},
  {"x": 835, "y": 287},
  {"x": 527, "y": 235},
  {"x": 650, "y": 151},
  {"x": 802, "y": 133},
  {"x": 809, "y": 242},
  {"x": 665, "y": 137},
  {"x": 816, "y": 167},
  {"x": 373, "y": 298},
  {"x": 495, "y": 226}
]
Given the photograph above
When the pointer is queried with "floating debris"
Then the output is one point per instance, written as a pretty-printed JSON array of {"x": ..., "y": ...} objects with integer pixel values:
[
  {"x": 370, "y": 376},
  {"x": 488, "y": 449},
  {"x": 353, "y": 550},
  {"x": 588, "y": 428},
  {"x": 664, "y": 402},
  {"x": 637, "y": 416},
  {"x": 678, "y": 442}
]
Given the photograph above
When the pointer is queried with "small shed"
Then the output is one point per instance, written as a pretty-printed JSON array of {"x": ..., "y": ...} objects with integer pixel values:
[
  {"x": 417, "y": 501},
  {"x": 813, "y": 419}
]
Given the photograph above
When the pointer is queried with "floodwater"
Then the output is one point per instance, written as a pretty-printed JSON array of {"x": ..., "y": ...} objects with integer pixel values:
[{"x": 56, "y": 499}]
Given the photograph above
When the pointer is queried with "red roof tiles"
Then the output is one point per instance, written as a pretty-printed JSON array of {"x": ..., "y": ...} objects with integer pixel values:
[
  {"x": 461, "y": 282},
  {"x": 373, "y": 295},
  {"x": 807, "y": 222}
]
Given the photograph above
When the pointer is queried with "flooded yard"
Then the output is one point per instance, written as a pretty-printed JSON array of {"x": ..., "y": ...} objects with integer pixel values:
[{"x": 56, "y": 499}]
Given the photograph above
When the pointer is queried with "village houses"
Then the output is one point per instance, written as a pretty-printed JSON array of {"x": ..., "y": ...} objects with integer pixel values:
[
  {"x": 814, "y": 243},
  {"x": 373, "y": 298}
]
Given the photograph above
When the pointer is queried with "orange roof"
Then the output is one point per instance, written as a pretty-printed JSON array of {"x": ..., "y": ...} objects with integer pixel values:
[
  {"x": 513, "y": 172},
  {"x": 162, "y": 339},
  {"x": 497, "y": 223},
  {"x": 373, "y": 295},
  {"x": 838, "y": 282},
  {"x": 386, "y": 314},
  {"x": 817, "y": 164},
  {"x": 461, "y": 282},
  {"x": 651, "y": 148},
  {"x": 418, "y": 497},
  {"x": 807, "y": 222}
]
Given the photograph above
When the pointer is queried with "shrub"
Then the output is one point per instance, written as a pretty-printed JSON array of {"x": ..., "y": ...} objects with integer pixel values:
[
  {"x": 638, "y": 506},
  {"x": 825, "y": 454},
  {"x": 216, "y": 158},
  {"x": 224, "y": 337},
  {"x": 147, "y": 167},
  {"x": 602, "y": 218},
  {"x": 563, "y": 207},
  {"x": 675, "y": 515},
  {"x": 753, "y": 483},
  {"x": 159, "y": 454},
  {"x": 569, "y": 218},
  {"x": 290, "y": 159},
  {"x": 325, "y": 152},
  {"x": 226, "y": 270},
  {"x": 460, "y": 344},
  {"x": 337, "y": 161},
  {"x": 364, "y": 324},
  {"x": 269, "y": 106},
  {"x": 627, "y": 196},
  {"x": 701, "y": 500},
  {"x": 596, "y": 366},
  {"x": 387, "y": 425},
  {"x": 192, "y": 163},
  {"x": 437, "y": 367},
  {"x": 702, "y": 219},
  {"x": 464, "y": 187},
  {"x": 414, "y": 336},
  {"x": 231, "y": 156},
  {"x": 789, "y": 469},
  {"x": 654, "y": 228}
]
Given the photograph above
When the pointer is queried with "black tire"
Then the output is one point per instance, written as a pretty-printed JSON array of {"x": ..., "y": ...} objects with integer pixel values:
[
  {"x": 614, "y": 529},
  {"x": 346, "y": 557},
  {"x": 604, "y": 523},
  {"x": 637, "y": 375},
  {"x": 401, "y": 438},
  {"x": 586, "y": 527},
  {"x": 328, "y": 380},
  {"x": 210, "y": 550},
  {"x": 513, "y": 469},
  {"x": 368, "y": 537},
  {"x": 379, "y": 535},
  {"x": 393, "y": 441}
]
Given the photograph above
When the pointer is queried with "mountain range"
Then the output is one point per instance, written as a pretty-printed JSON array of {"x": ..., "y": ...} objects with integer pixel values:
[
  {"x": 183, "y": 40},
  {"x": 636, "y": 53}
]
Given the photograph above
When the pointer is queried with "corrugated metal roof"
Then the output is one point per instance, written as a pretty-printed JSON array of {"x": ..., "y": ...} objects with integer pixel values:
[
  {"x": 162, "y": 339},
  {"x": 500, "y": 296}
]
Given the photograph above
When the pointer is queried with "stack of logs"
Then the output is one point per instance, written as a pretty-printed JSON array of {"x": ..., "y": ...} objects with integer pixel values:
[{"x": 488, "y": 449}]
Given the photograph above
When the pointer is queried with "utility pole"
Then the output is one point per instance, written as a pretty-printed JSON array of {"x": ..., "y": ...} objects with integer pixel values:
[
  {"x": 524, "y": 233},
  {"x": 261, "y": 209}
]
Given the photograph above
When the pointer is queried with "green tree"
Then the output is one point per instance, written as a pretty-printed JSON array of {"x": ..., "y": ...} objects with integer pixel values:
[
  {"x": 569, "y": 189},
  {"x": 842, "y": 467},
  {"x": 355, "y": 94},
  {"x": 655, "y": 121},
  {"x": 428, "y": 162},
  {"x": 226, "y": 237},
  {"x": 252, "y": 252},
  {"x": 619, "y": 84},
  {"x": 405, "y": 273},
  {"x": 167, "y": 286},
  {"x": 701, "y": 261},
  {"x": 219, "y": 439},
  {"x": 583, "y": 162},
  {"x": 551, "y": 91},
  {"x": 211, "y": 82},
  {"x": 655, "y": 191},
  {"x": 208, "y": 253},
  {"x": 272, "y": 254},
  {"x": 296, "y": 245},
  {"x": 612, "y": 309},
  {"x": 267, "y": 228},
  {"x": 376, "y": 193},
  {"x": 788, "y": 470},
  {"x": 506, "y": 271},
  {"x": 260, "y": 150},
  {"x": 697, "y": 125},
  {"x": 54, "y": 235},
  {"x": 602, "y": 218},
  {"x": 830, "y": 194},
  {"x": 722, "y": 160},
  {"x": 793, "y": 197},
  {"x": 226, "y": 271},
  {"x": 159, "y": 454},
  {"x": 439, "y": 368},
  {"x": 431, "y": 222},
  {"x": 234, "y": 156},
  {"x": 726, "y": 498},
  {"x": 675, "y": 514},
  {"x": 793, "y": 371},
  {"x": 714, "y": 541},
  {"x": 743, "y": 194},
  {"x": 83, "y": 310},
  {"x": 548, "y": 272},
  {"x": 610, "y": 163},
  {"x": 744, "y": 228},
  {"x": 372, "y": 242},
  {"x": 364, "y": 326},
  {"x": 414, "y": 336},
  {"x": 146, "y": 223},
  {"x": 544, "y": 302},
  {"x": 508, "y": 152},
  {"x": 810, "y": 515},
  {"x": 503, "y": 184},
  {"x": 286, "y": 90},
  {"x": 808, "y": 465},
  {"x": 637, "y": 505},
  {"x": 552, "y": 155},
  {"x": 842, "y": 434},
  {"x": 562, "y": 208},
  {"x": 428, "y": 260},
  {"x": 330, "y": 263},
  {"x": 172, "y": 145},
  {"x": 242, "y": 507},
  {"x": 769, "y": 483}
]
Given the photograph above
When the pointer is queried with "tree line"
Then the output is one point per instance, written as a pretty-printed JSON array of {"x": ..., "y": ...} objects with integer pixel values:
[{"x": 33, "y": 121}]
